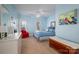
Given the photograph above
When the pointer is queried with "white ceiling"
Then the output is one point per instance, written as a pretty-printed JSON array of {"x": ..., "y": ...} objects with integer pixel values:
[{"x": 34, "y": 9}]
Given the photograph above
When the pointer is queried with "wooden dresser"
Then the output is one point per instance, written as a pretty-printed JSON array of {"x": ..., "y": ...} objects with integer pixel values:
[{"x": 63, "y": 46}]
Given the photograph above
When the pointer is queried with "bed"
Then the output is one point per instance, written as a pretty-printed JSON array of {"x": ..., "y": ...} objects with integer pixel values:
[{"x": 44, "y": 35}]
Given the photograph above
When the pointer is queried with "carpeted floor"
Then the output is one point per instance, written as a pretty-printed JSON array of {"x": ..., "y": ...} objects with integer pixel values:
[{"x": 32, "y": 46}]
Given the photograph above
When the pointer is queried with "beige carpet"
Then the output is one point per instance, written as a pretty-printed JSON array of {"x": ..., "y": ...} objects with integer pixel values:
[{"x": 32, "y": 46}]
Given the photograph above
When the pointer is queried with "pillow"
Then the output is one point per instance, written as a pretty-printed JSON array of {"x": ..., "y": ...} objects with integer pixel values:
[{"x": 50, "y": 29}]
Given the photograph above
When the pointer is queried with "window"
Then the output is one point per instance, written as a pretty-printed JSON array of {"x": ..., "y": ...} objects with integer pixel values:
[{"x": 52, "y": 24}]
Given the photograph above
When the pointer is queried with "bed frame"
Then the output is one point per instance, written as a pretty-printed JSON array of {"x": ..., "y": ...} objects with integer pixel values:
[
  {"x": 64, "y": 46},
  {"x": 41, "y": 38}
]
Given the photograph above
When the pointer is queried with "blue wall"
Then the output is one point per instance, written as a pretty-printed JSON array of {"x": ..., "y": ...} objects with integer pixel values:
[
  {"x": 50, "y": 18},
  {"x": 5, "y": 18},
  {"x": 43, "y": 23},
  {"x": 31, "y": 22},
  {"x": 12, "y": 11},
  {"x": 69, "y": 32}
]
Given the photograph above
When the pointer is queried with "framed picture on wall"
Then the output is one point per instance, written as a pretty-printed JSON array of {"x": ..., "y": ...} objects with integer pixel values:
[{"x": 69, "y": 17}]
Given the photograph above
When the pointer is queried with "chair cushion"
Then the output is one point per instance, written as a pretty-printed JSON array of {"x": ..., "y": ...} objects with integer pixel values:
[{"x": 25, "y": 34}]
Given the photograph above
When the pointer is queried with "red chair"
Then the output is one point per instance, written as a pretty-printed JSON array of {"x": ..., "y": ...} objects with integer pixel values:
[{"x": 24, "y": 34}]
